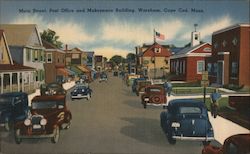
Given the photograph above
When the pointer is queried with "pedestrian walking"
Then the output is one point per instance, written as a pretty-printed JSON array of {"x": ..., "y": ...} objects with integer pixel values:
[
  {"x": 168, "y": 87},
  {"x": 215, "y": 97}
]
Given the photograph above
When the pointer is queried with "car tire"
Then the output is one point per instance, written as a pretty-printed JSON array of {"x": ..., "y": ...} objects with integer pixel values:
[
  {"x": 171, "y": 140},
  {"x": 18, "y": 140},
  {"x": 88, "y": 96},
  {"x": 144, "y": 105},
  {"x": 56, "y": 136}
]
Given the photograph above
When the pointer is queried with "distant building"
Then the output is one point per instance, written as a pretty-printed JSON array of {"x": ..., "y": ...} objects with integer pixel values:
[
  {"x": 99, "y": 63},
  {"x": 188, "y": 63},
  {"x": 55, "y": 70},
  {"x": 153, "y": 60},
  {"x": 229, "y": 63}
]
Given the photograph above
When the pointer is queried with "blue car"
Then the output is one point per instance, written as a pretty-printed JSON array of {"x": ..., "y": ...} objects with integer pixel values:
[
  {"x": 81, "y": 92},
  {"x": 13, "y": 108},
  {"x": 186, "y": 119}
]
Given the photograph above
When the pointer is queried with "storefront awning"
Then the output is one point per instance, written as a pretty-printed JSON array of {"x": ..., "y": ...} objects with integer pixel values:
[
  {"x": 84, "y": 69},
  {"x": 62, "y": 71}
]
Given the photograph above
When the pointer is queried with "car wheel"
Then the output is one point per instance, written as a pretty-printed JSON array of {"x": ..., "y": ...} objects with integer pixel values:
[
  {"x": 88, "y": 97},
  {"x": 18, "y": 140},
  {"x": 56, "y": 136},
  {"x": 171, "y": 140}
]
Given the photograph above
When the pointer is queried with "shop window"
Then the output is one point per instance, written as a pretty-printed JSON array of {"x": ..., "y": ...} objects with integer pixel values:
[
  {"x": 209, "y": 68},
  {"x": 215, "y": 68}
]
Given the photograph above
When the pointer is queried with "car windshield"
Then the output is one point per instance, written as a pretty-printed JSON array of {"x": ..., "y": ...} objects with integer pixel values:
[
  {"x": 46, "y": 104},
  {"x": 190, "y": 110}
]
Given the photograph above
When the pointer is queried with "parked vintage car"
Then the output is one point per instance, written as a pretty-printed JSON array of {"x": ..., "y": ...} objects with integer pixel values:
[
  {"x": 130, "y": 79},
  {"x": 103, "y": 77},
  {"x": 81, "y": 92},
  {"x": 154, "y": 95},
  {"x": 48, "y": 115},
  {"x": 186, "y": 119},
  {"x": 52, "y": 89},
  {"x": 135, "y": 84},
  {"x": 241, "y": 103},
  {"x": 236, "y": 144},
  {"x": 140, "y": 89},
  {"x": 13, "y": 108}
]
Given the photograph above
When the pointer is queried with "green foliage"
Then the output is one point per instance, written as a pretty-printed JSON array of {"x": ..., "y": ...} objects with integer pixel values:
[
  {"x": 51, "y": 37},
  {"x": 117, "y": 59},
  {"x": 130, "y": 57}
]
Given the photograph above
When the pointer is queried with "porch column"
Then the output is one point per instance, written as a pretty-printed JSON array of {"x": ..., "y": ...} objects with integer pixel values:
[
  {"x": 1, "y": 82},
  {"x": 23, "y": 82},
  {"x": 18, "y": 81},
  {"x": 11, "y": 88},
  {"x": 29, "y": 77}
]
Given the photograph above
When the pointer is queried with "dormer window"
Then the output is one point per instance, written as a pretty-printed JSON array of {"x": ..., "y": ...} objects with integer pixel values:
[{"x": 157, "y": 50}]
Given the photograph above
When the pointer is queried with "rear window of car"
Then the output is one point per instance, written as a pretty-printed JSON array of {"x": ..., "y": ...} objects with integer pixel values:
[
  {"x": 189, "y": 110},
  {"x": 154, "y": 90},
  {"x": 46, "y": 104}
]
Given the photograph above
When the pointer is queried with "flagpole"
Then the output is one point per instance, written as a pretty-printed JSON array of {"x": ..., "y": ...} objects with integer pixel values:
[{"x": 154, "y": 36}]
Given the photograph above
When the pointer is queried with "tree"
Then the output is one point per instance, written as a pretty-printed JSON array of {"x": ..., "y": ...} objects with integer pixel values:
[
  {"x": 117, "y": 59},
  {"x": 51, "y": 37},
  {"x": 131, "y": 57}
]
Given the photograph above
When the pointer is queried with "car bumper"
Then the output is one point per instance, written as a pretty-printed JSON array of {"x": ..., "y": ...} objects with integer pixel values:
[
  {"x": 194, "y": 138},
  {"x": 36, "y": 136},
  {"x": 80, "y": 96}
]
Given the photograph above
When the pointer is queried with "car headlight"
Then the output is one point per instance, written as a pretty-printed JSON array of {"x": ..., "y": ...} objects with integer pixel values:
[
  {"x": 27, "y": 122},
  {"x": 43, "y": 122},
  {"x": 176, "y": 124},
  {"x": 82, "y": 90},
  {"x": 46, "y": 92}
]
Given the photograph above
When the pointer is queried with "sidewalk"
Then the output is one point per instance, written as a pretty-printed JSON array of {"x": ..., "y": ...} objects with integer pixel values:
[{"x": 223, "y": 128}]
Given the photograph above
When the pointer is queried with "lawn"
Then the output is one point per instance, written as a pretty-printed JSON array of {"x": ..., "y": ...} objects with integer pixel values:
[
  {"x": 223, "y": 103},
  {"x": 192, "y": 90}
]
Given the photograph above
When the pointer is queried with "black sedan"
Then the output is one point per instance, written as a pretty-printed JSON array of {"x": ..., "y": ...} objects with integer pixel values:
[
  {"x": 81, "y": 92},
  {"x": 186, "y": 119}
]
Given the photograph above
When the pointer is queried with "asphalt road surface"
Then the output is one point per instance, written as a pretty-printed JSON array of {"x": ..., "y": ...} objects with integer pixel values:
[{"x": 112, "y": 122}]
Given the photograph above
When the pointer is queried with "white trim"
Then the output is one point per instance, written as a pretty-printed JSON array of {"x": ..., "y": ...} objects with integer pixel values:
[
  {"x": 194, "y": 138},
  {"x": 217, "y": 75},
  {"x": 230, "y": 28},
  {"x": 223, "y": 53},
  {"x": 7, "y": 47},
  {"x": 38, "y": 35},
  {"x": 191, "y": 55},
  {"x": 32, "y": 47}
]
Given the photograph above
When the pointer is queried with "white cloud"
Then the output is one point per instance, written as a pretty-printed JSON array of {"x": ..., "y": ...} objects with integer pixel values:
[
  {"x": 70, "y": 32},
  {"x": 108, "y": 51},
  {"x": 127, "y": 32},
  {"x": 210, "y": 27}
]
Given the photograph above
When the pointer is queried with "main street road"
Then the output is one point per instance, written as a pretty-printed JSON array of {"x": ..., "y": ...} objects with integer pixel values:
[{"x": 112, "y": 122}]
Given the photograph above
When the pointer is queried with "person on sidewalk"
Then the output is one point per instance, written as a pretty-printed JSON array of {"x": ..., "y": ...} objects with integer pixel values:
[
  {"x": 215, "y": 97},
  {"x": 168, "y": 87}
]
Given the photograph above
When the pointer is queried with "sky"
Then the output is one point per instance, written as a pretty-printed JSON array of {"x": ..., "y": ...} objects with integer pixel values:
[{"x": 120, "y": 26}]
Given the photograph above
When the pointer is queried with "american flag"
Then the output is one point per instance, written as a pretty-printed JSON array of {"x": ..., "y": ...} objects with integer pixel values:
[{"x": 159, "y": 35}]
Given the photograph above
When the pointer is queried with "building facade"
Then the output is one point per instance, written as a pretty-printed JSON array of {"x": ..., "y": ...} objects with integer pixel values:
[
  {"x": 153, "y": 61},
  {"x": 229, "y": 63},
  {"x": 13, "y": 77},
  {"x": 26, "y": 49}
]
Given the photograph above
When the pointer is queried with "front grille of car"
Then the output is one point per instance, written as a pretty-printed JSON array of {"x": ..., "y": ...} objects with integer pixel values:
[{"x": 35, "y": 120}]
